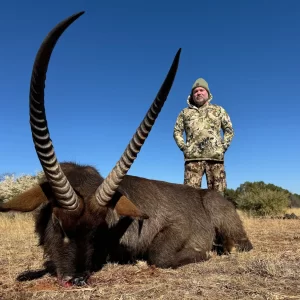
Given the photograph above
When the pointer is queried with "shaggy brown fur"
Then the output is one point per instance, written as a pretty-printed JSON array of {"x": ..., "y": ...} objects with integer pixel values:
[{"x": 182, "y": 225}]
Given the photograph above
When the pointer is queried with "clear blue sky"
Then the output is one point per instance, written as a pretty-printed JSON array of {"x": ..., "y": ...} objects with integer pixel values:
[{"x": 109, "y": 65}]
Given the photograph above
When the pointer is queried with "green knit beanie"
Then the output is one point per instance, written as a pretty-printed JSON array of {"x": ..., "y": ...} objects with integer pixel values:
[{"x": 200, "y": 82}]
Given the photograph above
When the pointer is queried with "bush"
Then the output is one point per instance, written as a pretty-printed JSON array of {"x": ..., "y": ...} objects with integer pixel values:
[
  {"x": 263, "y": 202},
  {"x": 11, "y": 186},
  {"x": 295, "y": 200},
  {"x": 231, "y": 195}
]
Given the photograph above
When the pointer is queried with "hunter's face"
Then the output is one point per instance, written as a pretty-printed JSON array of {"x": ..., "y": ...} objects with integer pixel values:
[{"x": 200, "y": 96}]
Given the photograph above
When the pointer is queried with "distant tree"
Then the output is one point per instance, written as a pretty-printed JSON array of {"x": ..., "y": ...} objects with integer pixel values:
[
  {"x": 261, "y": 199},
  {"x": 257, "y": 185},
  {"x": 263, "y": 202},
  {"x": 295, "y": 200}
]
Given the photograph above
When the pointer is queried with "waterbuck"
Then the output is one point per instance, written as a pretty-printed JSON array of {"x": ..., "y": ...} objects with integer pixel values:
[{"x": 85, "y": 220}]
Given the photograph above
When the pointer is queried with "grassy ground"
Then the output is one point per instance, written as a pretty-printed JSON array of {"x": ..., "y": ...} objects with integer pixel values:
[{"x": 270, "y": 271}]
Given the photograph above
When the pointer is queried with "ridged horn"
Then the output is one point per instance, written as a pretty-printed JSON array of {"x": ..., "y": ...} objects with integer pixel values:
[
  {"x": 63, "y": 191},
  {"x": 106, "y": 190}
]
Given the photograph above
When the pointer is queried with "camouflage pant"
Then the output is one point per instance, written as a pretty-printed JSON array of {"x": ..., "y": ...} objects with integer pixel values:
[{"x": 215, "y": 174}]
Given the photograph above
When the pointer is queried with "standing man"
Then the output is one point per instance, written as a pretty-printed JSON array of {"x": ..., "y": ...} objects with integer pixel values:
[{"x": 204, "y": 148}]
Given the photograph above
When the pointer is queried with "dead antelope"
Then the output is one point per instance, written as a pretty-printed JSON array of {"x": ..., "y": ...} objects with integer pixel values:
[{"x": 85, "y": 220}]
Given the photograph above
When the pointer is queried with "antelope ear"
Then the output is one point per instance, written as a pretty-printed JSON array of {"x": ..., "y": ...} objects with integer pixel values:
[
  {"x": 125, "y": 207},
  {"x": 27, "y": 201}
]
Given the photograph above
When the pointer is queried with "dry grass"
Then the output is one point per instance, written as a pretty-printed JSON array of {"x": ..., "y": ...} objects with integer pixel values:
[{"x": 270, "y": 271}]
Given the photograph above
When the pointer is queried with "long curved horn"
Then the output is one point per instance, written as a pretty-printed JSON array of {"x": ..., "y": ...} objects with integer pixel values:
[
  {"x": 109, "y": 186},
  {"x": 64, "y": 193}
]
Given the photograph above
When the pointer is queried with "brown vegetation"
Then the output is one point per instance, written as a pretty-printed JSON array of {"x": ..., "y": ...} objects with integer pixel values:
[{"x": 270, "y": 271}]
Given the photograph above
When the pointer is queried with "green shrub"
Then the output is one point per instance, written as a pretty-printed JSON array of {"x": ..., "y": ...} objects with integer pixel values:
[
  {"x": 295, "y": 200},
  {"x": 231, "y": 195},
  {"x": 263, "y": 202}
]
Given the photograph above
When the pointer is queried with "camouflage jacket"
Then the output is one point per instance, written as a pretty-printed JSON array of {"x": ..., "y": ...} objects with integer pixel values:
[{"x": 202, "y": 127}]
